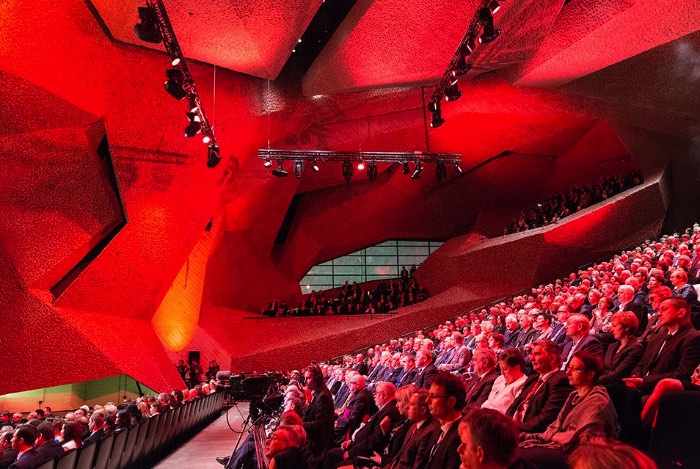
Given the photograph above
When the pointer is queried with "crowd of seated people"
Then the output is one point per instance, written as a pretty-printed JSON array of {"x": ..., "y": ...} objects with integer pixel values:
[
  {"x": 28, "y": 441},
  {"x": 541, "y": 380},
  {"x": 562, "y": 204},
  {"x": 387, "y": 296}
]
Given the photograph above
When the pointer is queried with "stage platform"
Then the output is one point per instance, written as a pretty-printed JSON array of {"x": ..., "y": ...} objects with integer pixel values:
[{"x": 215, "y": 440}]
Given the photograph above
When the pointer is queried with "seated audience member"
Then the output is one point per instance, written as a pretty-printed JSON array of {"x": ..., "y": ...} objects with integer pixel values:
[
  {"x": 408, "y": 372},
  {"x": 460, "y": 356},
  {"x": 682, "y": 289},
  {"x": 496, "y": 342},
  {"x": 445, "y": 401},
  {"x": 420, "y": 429},
  {"x": 671, "y": 355},
  {"x": 507, "y": 386},
  {"x": 370, "y": 438},
  {"x": 95, "y": 426},
  {"x": 283, "y": 449},
  {"x": 479, "y": 386},
  {"x": 663, "y": 387},
  {"x": 426, "y": 369},
  {"x": 578, "y": 330},
  {"x": 624, "y": 354},
  {"x": 587, "y": 412},
  {"x": 512, "y": 331},
  {"x": 47, "y": 444},
  {"x": 358, "y": 409},
  {"x": 319, "y": 416},
  {"x": 527, "y": 333},
  {"x": 72, "y": 435},
  {"x": 489, "y": 440},
  {"x": 400, "y": 429},
  {"x": 656, "y": 296},
  {"x": 601, "y": 453},
  {"x": 544, "y": 393},
  {"x": 23, "y": 442},
  {"x": 602, "y": 316},
  {"x": 9, "y": 454},
  {"x": 625, "y": 294}
]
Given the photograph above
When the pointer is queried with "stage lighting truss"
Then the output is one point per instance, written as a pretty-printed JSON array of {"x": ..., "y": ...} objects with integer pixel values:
[
  {"x": 301, "y": 159},
  {"x": 481, "y": 31},
  {"x": 180, "y": 83}
]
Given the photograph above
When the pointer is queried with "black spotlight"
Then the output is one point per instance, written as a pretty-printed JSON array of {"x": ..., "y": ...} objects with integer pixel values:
[
  {"x": 419, "y": 170},
  {"x": 213, "y": 156},
  {"x": 147, "y": 30},
  {"x": 452, "y": 92},
  {"x": 458, "y": 168},
  {"x": 347, "y": 170},
  {"x": 372, "y": 171},
  {"x": 462, "y": 66},
  {"x": 437, "y": 119},
  {"x": 195, "y": 125},
  {"x": 173, "y": 84},
  {"x": 490, "y": 32},
  {"x": 440, "y": 172},
  {"x": 298, "y": 169},
  {"x": 406, "y": 167},
  {"x": 279, "y": 171}
]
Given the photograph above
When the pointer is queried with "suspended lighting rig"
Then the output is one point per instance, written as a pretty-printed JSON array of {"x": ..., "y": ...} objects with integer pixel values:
[
  {"x": 359, "y": 160},
  {"x": 481, "y": 30},
  {"x": 155, "y": 27}
]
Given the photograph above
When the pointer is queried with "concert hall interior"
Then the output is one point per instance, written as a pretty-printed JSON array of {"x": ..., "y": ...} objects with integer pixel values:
[{"x": 123, "y": 249}]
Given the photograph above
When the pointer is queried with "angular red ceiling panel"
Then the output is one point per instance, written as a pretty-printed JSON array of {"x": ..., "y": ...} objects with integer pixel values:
[
  {"x": 250, "y": 36},
  {"x": 396, "y": 42}
]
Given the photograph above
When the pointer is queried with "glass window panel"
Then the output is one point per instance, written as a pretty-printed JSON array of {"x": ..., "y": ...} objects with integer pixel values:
[
  {"x": 345, "y": 270},
  {"x": 321, "y": 270},
  {"x": 408, "y": 260},
  {"x": 349, "y": 260},
  {"x": 391, "y": 242},
  {"x": 317, "y": 280},
  {"x": 382, "y": 251},
  {"x": 350, "y": 279},
  {"x": 384, "y": 270},
  {"x": 318, "y": 288},
  {"x": 414, "y": 251},
  {"x": 410, "y": 242},
  {"x": 327, "y": 262},
  {"x": 381, "y": 260},
  {"x": 380, "y": 277}
]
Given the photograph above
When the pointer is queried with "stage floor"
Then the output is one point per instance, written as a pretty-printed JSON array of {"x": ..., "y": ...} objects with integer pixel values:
[{"x": 215, "y": 440}]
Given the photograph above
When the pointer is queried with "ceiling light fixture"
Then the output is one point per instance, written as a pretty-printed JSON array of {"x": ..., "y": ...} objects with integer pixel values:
[
  {"x": 195, "y": 125},
  {"x": 440, "y": 172},
  {"x": 279, "y": 171},
  {"x": 452, "y": 93},
  {"x": 298, "y": 169},
  {"x": 418, "y": 171},
  {"x": 347, "y": 170},
  {"x": 267, "y": 163},
  {"x": 174, "y": 85},
  {"x": 213, "y": 156},
  {"x": 147, "y": 30},
  {"x": 372, "y": 171},
  {"x": 490, "y": 32}
]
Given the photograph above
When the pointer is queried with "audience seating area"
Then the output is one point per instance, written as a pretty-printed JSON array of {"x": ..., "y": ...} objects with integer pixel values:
[{"x": 146, "y": 443}]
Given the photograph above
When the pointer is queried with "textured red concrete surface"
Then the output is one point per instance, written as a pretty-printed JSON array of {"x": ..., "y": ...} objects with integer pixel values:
[{"x": 65, "y": 85}]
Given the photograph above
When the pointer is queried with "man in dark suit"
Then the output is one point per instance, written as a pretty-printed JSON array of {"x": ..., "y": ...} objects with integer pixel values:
[
  {"x": 319, "y": 416},
  {"x": 8, "y": 455},
  {"x": 96, "y": 424},
  {"x": 488, "y": 440},
  {"x": 23, "y": 442},
  {"x": 422, "y": 427},
  {"x": 544, "y": 393},
  {"x": 445, "y": 400},
  {"x": 426, "y": 369},
  {"x": 625, "y": 293},
  {"x": 357, "y": 411},
  {"x": 578, "y": 329},
  {"x": 46, "y": 444},
  {"x": 359, "y": 365},
  {"x": 672, "y": 355},
  {"x": 408, "y": 372},
  {"x": 479, "y": 387},
  {"x": 512, "y": 331},
  {"x": 559, "y": 328},
  {"x": 460, "y": 356},
  {"x": 370, "y": 437},
  {"x": 527, "y": 333}
]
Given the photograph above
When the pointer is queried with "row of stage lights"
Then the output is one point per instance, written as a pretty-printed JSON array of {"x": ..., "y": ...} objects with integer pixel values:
[
  {"x": 155, "y": 27},
  {"x": 459, "y": 66},
  {"x": 359, "y": 161}
]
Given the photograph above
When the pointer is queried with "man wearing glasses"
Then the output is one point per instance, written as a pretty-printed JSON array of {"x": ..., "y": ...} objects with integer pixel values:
[{"x": 446, "y": 397}]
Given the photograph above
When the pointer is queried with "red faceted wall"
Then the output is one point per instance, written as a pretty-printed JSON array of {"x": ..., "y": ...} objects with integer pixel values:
[{"x": 152, "y": 284}]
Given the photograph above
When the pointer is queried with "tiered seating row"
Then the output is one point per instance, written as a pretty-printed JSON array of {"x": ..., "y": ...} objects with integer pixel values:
[{"x": 144, "y": 444}]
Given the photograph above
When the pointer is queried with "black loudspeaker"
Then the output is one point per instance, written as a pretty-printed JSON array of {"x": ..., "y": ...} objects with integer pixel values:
[{"x": 193, "y": 355}]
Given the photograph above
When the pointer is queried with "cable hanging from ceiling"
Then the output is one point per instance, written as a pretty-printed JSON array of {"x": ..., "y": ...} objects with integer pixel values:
[
  {"x": 481, "y": 30},
  {"x": 155, "y": 27}
]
